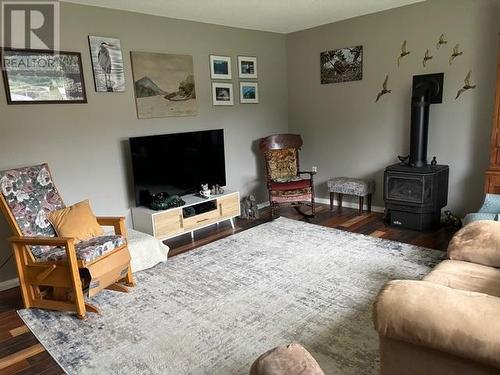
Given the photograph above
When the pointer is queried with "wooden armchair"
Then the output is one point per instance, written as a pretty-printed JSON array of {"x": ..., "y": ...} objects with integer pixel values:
[
  {"x": 284, "y": 181},
  {"x": 54, "y": 272}
]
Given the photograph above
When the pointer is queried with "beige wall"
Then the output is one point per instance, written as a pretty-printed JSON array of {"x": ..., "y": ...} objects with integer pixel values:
[
  {"x": 346, "y": 133},
  {"x": 85, "y": 144}
]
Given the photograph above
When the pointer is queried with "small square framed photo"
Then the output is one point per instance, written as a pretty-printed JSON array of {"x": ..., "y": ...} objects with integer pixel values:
[
  {"x": 249, "y": 92},
  {"x": 247, "y": 67},
  {"x": 222, "y": 93},
  {"x": 220, "y": 67}
]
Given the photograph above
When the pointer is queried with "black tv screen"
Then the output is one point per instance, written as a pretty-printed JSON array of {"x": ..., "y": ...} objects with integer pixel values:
[{"x": 177, "y": 163}]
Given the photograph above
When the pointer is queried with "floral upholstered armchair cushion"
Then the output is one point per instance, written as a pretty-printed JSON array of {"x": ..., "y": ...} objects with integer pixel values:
[
  {"x": 87, "y": 250},
  {"x": 282, "y": 164},
  {"x": 30, "y": 193}
]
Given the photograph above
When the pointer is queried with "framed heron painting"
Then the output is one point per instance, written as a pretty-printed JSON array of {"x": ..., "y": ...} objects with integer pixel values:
[
  {"x": 107, "y": 63},
  {"x": 42, "y": 76}
]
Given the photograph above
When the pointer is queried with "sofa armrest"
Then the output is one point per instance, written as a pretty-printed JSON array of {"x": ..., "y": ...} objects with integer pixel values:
[
  {"x": 477, "y": 242},
  {"x": 118, "y": 223},
  {"x": 462, "y": 323}
]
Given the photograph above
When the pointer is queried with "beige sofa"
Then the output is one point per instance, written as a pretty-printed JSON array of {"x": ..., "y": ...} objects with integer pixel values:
[{"x": 448, "y": 323}]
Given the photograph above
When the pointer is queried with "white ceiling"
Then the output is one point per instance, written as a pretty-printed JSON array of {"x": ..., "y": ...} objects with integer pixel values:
[{"x": 281, "y": 16}]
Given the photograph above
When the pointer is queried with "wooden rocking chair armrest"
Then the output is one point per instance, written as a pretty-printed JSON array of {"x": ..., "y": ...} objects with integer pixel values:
[
  {"x": 43, "y": 241},
  {"x": 67, "y": 242},
  {"x": 117, "y": 222}
]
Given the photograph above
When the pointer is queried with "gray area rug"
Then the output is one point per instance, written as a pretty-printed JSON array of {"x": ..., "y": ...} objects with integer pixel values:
[{"x": 215, "y": 309}]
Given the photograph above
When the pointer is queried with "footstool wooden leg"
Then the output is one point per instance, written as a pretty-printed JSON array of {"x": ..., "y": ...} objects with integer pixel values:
[
  {"x": 369, "y": 202},
  {"x": 361, "y": 199},
  {"x": 332, "y": 196},
  {"x": 339, "y": 203}
]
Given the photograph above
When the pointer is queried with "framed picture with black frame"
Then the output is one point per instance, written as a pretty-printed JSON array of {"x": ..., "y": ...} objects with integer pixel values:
[{"x": 42, "y": 76}]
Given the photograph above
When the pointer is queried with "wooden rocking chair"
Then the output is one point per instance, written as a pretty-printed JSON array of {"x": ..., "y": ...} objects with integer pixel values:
[
  {"x": 55, "y": 273},
  {"x": 284, "y": 181}
]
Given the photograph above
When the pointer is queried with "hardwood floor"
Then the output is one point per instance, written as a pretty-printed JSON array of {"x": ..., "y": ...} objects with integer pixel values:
[{"x": 21, "y": 353}]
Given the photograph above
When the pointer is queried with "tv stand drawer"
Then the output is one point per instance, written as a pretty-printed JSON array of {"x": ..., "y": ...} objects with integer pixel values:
[{"x": 201, "y": 219}]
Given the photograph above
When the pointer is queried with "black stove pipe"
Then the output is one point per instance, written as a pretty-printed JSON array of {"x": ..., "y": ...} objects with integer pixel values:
[{"x": 420, "y": 106}]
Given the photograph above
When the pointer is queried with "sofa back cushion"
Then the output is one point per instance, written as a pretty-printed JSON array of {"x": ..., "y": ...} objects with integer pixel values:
[{"x": 477, "y": 242}]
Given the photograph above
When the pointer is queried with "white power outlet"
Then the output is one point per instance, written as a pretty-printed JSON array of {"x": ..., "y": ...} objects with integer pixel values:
[{"x": 314, "y": 169}]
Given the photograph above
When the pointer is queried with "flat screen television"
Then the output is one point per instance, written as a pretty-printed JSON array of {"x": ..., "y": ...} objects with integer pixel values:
[{"x": 177, "y": 163}]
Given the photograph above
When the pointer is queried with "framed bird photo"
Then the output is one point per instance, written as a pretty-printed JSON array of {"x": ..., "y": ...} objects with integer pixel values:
[
  {"x": 342, "y": 65},
  {"x": 107, "y": 64}
]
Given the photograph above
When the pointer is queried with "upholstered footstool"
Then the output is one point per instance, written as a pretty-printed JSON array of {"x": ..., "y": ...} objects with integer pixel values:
[
  {"x": 351, "y": 186},
  {"x": 291, "y": 359}
]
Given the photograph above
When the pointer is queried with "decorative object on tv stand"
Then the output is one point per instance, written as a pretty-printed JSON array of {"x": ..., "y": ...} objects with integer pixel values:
[
  {"x": 216, "y": 190},
  {"x": 164, "y": 85},
  {"x": 222, "y": 93},
  {"x": 455, "y": 53},
  {"x": 404, "y": 52},
  {"x": 441, "y": 41},
  {"x": 220, "y": 67},
  {"x": 467, "y": 85},
  {"x": 249, "y": 208},
  {"x": 247, "y": 67},
  {"x": 107, "y": 64},
  {"x": 249, "y": 92},
  {"x": 342, "y": 65},
  {"x": 164, "y": 201},
  {"x": 42, "y": 76},
  {"x": 205, "y": 191},
  {"x": 427, "y": 57},
  {"x": 414, "y": 191},
  {"x": 384, "y": 90}
]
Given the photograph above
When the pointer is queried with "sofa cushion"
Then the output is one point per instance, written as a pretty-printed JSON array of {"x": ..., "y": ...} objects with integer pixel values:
[
  {"x": 291, "y": 359},
  {"x": 87, "y": 251},
  {"x": 477, "y": 242},
  {"x": 457, "y": 322},
  {"x": 466, "y": 276}
]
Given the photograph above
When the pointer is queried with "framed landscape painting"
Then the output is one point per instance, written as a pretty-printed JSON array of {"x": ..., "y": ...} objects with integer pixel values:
[
  {"x": 107, "y": 64},
  {"x": 42, "y": 76},
  {"x": 342, "y": 65},
  {"x": 222, "y": 93},
  {"x": 164, "y": 85},
  {"x": 249, "y": 92},
  {"x": 220, "y": 67},
  {"x": 247, "y": 67}
]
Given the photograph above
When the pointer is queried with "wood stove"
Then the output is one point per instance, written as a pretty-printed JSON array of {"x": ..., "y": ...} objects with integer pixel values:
[{"x": 414, "y": 191}]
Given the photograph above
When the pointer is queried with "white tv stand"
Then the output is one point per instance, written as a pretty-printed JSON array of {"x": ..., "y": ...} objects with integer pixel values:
[{"x": 171, "y": 223}]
